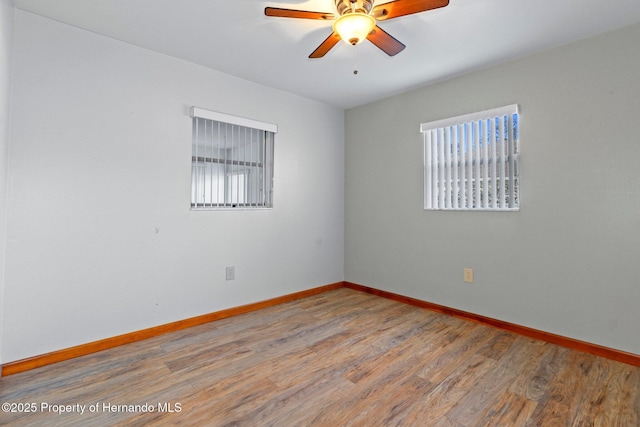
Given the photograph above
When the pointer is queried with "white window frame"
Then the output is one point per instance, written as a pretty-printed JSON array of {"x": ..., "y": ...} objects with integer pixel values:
[
  {"x": 225, "y": 174},
  {"x": 471, "y": 162}
]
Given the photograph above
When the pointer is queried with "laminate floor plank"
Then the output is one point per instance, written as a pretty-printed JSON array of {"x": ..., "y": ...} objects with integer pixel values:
[
  {"x": 443, "y": 396},
  {"x": 340, "y": 358},
  {"x": 454, "y": 346},
  {"x": 533, "y": 379},
  {"x": 511, "y": 410},
  {"x": 620, "y": 396},
  {"x": 473, "y": 409},
  {"x": 560, "y": 406}
]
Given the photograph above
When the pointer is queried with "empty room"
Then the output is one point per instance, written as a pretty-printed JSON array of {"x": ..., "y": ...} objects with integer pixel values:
[{"x": 320, "y": 212}]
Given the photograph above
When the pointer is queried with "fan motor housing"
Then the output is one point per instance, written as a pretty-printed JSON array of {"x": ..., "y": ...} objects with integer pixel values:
[{"x": 361, "y": 6}]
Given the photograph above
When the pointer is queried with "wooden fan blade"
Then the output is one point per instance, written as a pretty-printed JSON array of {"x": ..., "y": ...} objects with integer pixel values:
[
  {"x": 397, "y": 8},
  {"x": 386, "y": 42},
  {"x": 325, "y": 46},
  {"x": 304, "y": 14}
]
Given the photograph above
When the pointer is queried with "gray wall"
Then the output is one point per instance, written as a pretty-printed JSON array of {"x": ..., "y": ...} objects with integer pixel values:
[
  {"x": 101, "y": 240},
  {"x": 567, "y": 262},
  {"x": 6, "y": 57}
]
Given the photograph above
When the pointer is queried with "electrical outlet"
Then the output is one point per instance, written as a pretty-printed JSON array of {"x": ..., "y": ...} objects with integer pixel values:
[
  {"x": 468, "y": 275},
  {"x": 231, "y": 273}
]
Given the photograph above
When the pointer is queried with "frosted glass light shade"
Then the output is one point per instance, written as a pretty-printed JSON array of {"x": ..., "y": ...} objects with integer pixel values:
[{"x": 353, "y": 28}]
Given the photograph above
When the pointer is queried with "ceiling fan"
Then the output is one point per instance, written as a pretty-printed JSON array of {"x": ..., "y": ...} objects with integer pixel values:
[{"x": 356, "y": 21}]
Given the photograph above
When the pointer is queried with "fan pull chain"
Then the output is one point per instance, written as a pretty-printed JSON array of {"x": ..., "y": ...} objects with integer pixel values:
[{"x": 355, "y": 65}]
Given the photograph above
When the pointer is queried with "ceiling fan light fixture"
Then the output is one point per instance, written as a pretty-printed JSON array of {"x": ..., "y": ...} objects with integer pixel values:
[{"x": 353, "y": 28}]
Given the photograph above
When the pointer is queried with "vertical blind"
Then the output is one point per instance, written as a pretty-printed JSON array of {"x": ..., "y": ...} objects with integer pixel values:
[
  {"x": 231, "y": 162},
  {"x": 471, "y": 161}
]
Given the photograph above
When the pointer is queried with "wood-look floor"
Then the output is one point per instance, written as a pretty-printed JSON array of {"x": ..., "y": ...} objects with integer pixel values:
[{"x": 340, "y": 358}]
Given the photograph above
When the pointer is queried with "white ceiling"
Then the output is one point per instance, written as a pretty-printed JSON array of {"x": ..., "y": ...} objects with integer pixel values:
[{"x": 234, "y": 36}]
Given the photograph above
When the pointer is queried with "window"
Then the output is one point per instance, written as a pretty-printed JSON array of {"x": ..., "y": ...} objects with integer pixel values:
[
  {"x": 231, "y": 162},
  {"x": 471, "y": 161}
]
